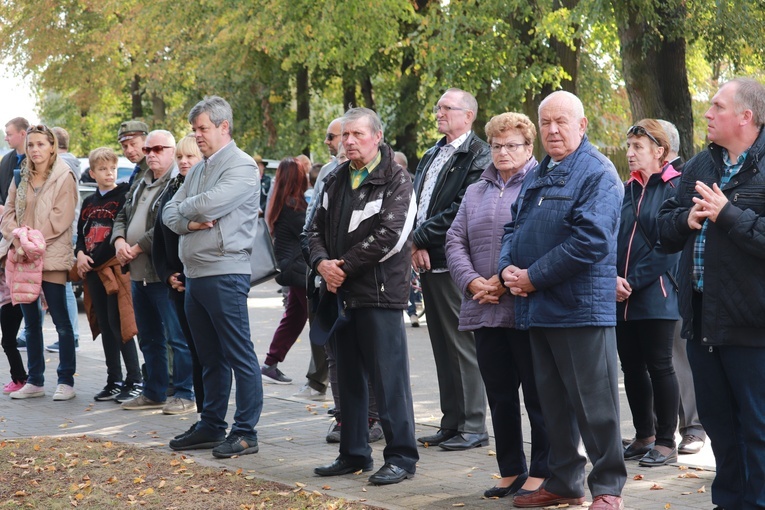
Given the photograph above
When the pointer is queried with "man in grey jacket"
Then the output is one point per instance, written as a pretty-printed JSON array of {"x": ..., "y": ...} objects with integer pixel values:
[
  {"x": 215, "y": 214},
  {"x": 155, "y": 316}
]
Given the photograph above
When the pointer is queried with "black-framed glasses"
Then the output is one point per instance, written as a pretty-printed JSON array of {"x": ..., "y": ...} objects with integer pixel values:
[
  {"x": 510, "y": 147},
  {"x": 641, "y": 131},
  {"x": 330, "y": 136},
  {"x": 156, "y": 149},
  {"x": 446, "y": 109}
]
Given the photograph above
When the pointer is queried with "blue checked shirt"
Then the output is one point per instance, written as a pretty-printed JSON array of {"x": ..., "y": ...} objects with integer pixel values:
[{"x": 698, "y": 246}]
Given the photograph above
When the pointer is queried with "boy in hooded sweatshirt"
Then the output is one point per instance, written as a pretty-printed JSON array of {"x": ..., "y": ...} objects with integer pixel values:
[{"x": 94, "y": 254}]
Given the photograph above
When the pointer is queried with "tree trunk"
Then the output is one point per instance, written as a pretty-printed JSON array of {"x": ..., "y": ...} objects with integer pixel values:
[
  {"x": 158, "y": 111},
  {"x": 568, "y": 58},
  {"x": 349, "y": 91},
  {"x": 367, "y": 92},
  {"x": 304, "y": 111},
  {"x": 408, "y": 110},
  {"x": 654, "y": 70},
  {"x": 135, "y": 97}
]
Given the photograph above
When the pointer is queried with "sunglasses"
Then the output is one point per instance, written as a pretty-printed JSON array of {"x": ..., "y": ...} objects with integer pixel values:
[
  {"x": 40, "y": 128},
  {"x": 641, "y": 131},
  {"x": 331, "y": 136},
  {"x": 156, "y": 149}
]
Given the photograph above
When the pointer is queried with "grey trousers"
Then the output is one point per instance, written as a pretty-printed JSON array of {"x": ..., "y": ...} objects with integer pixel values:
[
  {"x": 577, "y": 371},
  {"x": 689, "y": 423},
  {"x": 463, "y": 397}
]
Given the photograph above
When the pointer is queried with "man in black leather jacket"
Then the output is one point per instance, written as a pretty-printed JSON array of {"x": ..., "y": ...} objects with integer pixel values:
[
  {"x": 717, "y": 219},
  {"x": 443, "y": 175}
]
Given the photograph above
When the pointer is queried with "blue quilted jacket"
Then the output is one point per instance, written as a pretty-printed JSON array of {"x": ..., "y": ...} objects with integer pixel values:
[{"x": 564, "y": 231}]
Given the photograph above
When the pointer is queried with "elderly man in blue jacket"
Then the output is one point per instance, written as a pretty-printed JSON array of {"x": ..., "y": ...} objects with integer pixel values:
[{"x": 559, "y": 256}]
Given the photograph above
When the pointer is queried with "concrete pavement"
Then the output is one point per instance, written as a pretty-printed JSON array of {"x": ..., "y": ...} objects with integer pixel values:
[{"x": 291, "y": 431}]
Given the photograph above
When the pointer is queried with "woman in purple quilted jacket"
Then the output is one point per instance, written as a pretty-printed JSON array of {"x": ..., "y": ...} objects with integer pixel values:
[{"x": 504, "y": 354}]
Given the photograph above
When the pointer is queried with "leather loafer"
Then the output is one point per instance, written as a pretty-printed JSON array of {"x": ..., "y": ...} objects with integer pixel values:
[
  {"x": 465, "y": 441},
  {"x": 342, "y": 467},
  {"x": 437, "y": 438},
  {"x": 655, "y": 458},
  {"x": 513, "y": 488},
  {"x": 690, "y": 444},
  {"x": 607, "y": 502},
  {"x": 389, "y": 474},
  {"x": 541, "y": 498},
  {"x": 634, "y": 451}
]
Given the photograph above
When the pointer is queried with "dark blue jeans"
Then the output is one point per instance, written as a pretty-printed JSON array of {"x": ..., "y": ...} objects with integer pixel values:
[
  {"x": 730, "y": 397},
  {"x": 216, "y": 308},
  {"x": 155, "y": 314},
  {"x": 55, "y": 296}
]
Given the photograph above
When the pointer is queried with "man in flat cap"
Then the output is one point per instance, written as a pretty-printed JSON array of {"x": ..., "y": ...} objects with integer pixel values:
[{"x": 131, "y": 136}]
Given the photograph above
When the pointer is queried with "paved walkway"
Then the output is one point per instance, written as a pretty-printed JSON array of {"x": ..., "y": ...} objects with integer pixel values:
[{"x": 291, "y": 432}]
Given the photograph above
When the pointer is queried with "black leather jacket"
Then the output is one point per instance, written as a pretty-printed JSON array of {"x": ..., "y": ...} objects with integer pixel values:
[
  {"x": 463, "y": 169},
  {"x": 734, "y": 255}
]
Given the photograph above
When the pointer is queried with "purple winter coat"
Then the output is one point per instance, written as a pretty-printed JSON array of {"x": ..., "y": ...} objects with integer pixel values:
[{"x": 473, "y": 244}]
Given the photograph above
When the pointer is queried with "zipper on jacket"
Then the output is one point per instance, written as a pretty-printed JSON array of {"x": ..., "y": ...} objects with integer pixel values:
[
  {"x": 144, "y": 282},
  {"x": 543, "y": 198},
  {"x": 629, "y": 247}
]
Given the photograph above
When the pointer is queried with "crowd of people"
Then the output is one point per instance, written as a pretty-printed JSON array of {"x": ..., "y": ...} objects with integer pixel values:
[{"x": 540, "y": 276}]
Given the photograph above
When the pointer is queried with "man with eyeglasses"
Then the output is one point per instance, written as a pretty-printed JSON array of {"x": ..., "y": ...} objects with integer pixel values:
[
  {"x": 558, "y": 258},
  {"x": 443, "y": 175},
  {"x": 155, "y": 315}
]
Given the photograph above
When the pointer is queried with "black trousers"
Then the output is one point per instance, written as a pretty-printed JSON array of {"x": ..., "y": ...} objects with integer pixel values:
[
  {"x": 10, "y": 322},
  {"x": 645, "y": 352},
  {"x": 196, "y": 366},
  {"x": 107, "y": 312},
  {"x": 504, "y": 357},
  {"x": 373, "y": 347}
]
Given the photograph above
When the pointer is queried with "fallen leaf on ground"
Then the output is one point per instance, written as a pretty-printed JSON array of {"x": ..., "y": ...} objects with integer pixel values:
[{"x": 656, "y": 487}]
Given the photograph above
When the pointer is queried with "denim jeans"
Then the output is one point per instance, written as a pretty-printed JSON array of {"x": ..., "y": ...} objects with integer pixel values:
[
  {"x": 155, "y": 314},
  {"x": 216, "y": 308},
  {"x": 71, "y": 307},
  {"x": 55, "y": 296}
]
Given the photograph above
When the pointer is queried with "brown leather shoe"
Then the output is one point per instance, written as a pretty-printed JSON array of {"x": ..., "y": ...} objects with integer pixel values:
[
  {"x": 607, "y": 502},
  {"x": 541, "y": 498}
]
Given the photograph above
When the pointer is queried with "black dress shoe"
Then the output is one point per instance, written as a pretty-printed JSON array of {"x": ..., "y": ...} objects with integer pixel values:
[
  {"x": 465, "y": 441},
  {"x": 437, "y": 438},
  {"x": 656, "y": 458},
  {"x": 389, "y": 474},
  {"x": 513, "y": 488},
  {"x": 342, "y": 467},
  {"x": 635, "y": 451}
]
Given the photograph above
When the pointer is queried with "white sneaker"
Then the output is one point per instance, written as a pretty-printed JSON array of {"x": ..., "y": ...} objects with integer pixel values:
[
  {"x": 64, "y": 392},
  {"x": 308, "y": 393},
  {"x": 29, "y": 391}
]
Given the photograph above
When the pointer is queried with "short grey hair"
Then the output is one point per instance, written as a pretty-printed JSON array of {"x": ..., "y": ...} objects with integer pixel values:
[
  {"x": 672, "y": 135},
  {"x": 165, "y": 133},
  {"x": 373, "y": 119},
  {"x": 578, "y": 107},
  {"x": 217, "y": 109},
  {"x": 750, "y": 95},
  {"x": 468, "y": 100}
]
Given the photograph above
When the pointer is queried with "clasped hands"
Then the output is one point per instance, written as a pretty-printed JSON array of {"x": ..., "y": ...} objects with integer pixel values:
[
  {"x": 330, "y": 270},
  {"x": 517, "y": 280},
  {"x": 486, "y": 291},
  {"x": 124, "y": 252},
  {"x": 709, "y": 205}
]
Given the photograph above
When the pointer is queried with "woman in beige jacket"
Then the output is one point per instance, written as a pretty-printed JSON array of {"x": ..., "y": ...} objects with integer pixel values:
[{"x": 45, "y": 199}]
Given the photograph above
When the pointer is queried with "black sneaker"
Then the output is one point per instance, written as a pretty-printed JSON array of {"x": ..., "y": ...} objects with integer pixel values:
[
  {"x": 236, "y": 444},
  {"x": 272, "y": 374},
  {"x": 110, "y": 391},
  {"x": 198, "y": 439},
  {"x": 191, "y": 429},
  {"x": 333, "y": 436},
  {"x": 128, "y": 392}
]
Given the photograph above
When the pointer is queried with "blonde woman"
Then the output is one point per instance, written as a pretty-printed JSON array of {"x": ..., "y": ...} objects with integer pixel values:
[{"x": 45, "y": 199}]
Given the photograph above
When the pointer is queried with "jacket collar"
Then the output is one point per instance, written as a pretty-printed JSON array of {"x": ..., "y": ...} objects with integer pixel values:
[
  {"x": 464, "y": 146},
  {"x": 380, "y": 175},
  {"x": 754, "y": 154}
]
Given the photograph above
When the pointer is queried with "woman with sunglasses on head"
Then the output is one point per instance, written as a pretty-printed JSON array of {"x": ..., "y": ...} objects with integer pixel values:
[
  {"x": 646, "y": 294},
  {"x": 503, "y": 351},
  {"x": 44, "y": 199},
  {"x": 285, "y": 218}
]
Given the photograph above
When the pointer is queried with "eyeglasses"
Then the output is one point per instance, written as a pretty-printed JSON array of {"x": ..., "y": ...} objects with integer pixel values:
[
  {"x": 511, "y": 147},
  {"x": 156, "y": 149},
  {"x": 641, "y": 131},
  {"x": 331, "y": 136},
  {"x": 446, "y": 109}
]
